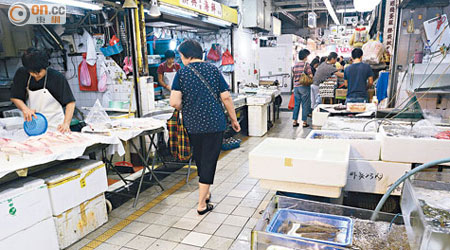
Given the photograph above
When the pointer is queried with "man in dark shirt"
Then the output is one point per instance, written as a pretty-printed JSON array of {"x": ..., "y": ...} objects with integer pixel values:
[
  {"x": 37, "y": 88},
  {"x": 358, "y": 77}
]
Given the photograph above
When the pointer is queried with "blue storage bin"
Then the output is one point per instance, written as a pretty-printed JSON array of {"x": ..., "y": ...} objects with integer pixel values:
[
  {"x": 161, "y": 46},
  {"x": 112, "y": 50},
  {"x": 345, "y": 224}
]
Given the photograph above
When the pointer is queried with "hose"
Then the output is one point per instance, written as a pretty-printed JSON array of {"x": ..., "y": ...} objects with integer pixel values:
[{"x": 402, "y": 179}]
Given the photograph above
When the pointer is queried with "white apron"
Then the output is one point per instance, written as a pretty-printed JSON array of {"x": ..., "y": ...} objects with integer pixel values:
[
  {"x": 168, "y": 79},
  {"x": 43, "y": 102}
]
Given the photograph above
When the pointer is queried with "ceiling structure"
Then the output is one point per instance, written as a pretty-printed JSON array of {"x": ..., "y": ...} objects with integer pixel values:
[{"x": 293, "y": 13}]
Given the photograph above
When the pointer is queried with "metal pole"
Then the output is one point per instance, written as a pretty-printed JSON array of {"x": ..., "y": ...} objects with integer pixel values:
[{"x": 132, "y": 34}]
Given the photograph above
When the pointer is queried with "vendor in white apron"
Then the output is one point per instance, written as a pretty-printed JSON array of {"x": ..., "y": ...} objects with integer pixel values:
[
  {"x": 166, "y": 72},
  {"x": 39, "y": 89}
]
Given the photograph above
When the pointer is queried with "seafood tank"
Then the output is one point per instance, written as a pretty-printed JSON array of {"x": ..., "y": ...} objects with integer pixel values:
[
  {"x": 276, "y": 232},
  {"x": 426, "y": 209}
]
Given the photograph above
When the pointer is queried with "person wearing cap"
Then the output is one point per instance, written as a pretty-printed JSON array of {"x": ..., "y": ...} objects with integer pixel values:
[{"x": 36, "y": 88}]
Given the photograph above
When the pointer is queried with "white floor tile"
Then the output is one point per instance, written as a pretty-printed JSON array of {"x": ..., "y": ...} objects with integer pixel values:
[
  {"x": 107, "y": 246},
  {"x": 240, "y": 245},
  {"x": 186, "y": 223},
  {"x": 177, "y": 211},
  {"x": 244, "y": 211},
  {"x": 207, "y": 227},
  {"x": 135, "y": 227},
  {"x": 196, "y": 239},
  {"x": 245, "y": 235},
  {"x": 186, "y": 247},
  {"x": 224, "y": 208},
  {"x": 175, "y": 234},
  {"x": 214, "y": 217},
  {"x": 140, "y": 242},
  {"x": 192, "y": 214},
  {"x": 163, "y": 245},
  {"x": 251, "y": 223},
  {"x": 231, "y": 200},
  {"x": 228, "y": 231},
  {"x": 155, "y": 231},
  {"x": 167, "y": 220},
  {"x": 219, "y": 243},
  {"x": 149, "y": 217},
  {"x": 120, "y": 238},
  {"x": 234, "y": 220}
]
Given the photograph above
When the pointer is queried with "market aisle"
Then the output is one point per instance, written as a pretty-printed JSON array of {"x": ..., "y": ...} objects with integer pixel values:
[{"x": 169, "y": 220}]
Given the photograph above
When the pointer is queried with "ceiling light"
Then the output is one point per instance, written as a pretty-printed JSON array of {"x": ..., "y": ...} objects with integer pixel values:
[
  {"x": 176, "y": 11},
  {"x": 129, "y": 4},
  {"x": 154, "y": 9},
  {"x": 364, "y": 5},
  {"x": 78, "y": 4},
  {"x": 218, "y": 22},
  {"x": 173, "y": 44},
  {"x": 331, "y": 11}
]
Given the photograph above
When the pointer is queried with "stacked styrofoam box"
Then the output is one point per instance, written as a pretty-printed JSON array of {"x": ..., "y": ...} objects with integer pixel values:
[
  {"x": 25, "y": 215},
  {"x": 301, "y": 165},
  {"x": 147, "y": 94},
  {"x": 364, "y": 146},
  {"x": 319, "y": 118},
  {"x": 257, "y": 120},
  {"x": 70, "y": 186},
  {"x": 412, "y": 150}
]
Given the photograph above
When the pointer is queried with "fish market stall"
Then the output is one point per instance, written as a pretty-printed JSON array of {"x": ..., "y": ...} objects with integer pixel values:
[{"x": 289, "y": 223}]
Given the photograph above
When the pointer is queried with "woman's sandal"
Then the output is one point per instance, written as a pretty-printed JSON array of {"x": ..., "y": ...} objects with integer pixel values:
[
  {"x": 295, "y": 124},
  {"x": 305, "y": 125},
  {"x": 208, "y": 199},
  {"x": 209, "y": 207}
]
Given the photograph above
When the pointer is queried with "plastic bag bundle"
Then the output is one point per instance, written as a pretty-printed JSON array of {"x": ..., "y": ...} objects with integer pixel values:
[{"x": 373, "y": 52}]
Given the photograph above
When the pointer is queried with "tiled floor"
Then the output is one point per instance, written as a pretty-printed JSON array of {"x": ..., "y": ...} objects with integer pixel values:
[{"x": 174, "y": 224}]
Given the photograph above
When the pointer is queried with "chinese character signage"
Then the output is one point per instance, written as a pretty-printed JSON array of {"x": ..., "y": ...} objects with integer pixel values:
[
  {"x": 210, "y": 7},
  {"x": 390, "y": 24}
]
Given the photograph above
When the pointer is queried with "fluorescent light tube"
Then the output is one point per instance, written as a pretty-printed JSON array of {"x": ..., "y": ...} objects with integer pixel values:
[
  {"x": 331, "y": 11},
  {"x": 79, "y": 4},
  {"x": 218, "y": 22},
  {"x": 176, "y": 11},
  {"x": 352, "y": 10}
]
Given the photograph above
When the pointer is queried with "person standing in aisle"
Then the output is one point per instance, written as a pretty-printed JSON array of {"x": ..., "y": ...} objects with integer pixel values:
[
  {"x": 166, "y": 72},
  {"x": 323, "y": 72},
  {"x": 199, "y": 90},
  {"x": 314, "y": 64},
  {"x": 302, "y": 92},
  {"x": 37, "y": 88},
  {"x": 358, "y": 77}
]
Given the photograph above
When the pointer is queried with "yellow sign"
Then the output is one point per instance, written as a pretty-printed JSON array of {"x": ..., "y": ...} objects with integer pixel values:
[
  {"x": 288, "y": 162},
  {"x": 207, "y": 7}
]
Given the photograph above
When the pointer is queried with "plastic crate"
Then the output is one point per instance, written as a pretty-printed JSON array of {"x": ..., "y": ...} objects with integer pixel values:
[
  {"x": 231, "y": 144},
  {"x": 345, "y": 224}
]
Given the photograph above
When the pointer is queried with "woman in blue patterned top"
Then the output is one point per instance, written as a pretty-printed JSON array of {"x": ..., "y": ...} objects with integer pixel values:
[{"x": 199, "y": 90}]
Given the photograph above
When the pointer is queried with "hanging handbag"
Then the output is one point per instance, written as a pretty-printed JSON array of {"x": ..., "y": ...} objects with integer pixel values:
[
  {"x": 179, "y": 144},
  {"x": 305, "y": 80}
]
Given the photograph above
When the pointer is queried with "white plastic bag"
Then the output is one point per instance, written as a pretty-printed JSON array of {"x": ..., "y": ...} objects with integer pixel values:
[
  {"x": 85, "y": 78},
  {"x": 104, "y": 77},
  {"x": 97, "y": 117},
  {"x": 373, "y": 51}
]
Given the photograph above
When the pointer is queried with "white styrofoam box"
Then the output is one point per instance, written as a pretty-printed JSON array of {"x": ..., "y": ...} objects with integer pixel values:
[
  {"x": 319, "y": 118},
  {"x": 300, "y": 161},
  {"x": 258, "y": 99},
  {"x": 364, "y": 146},
  {"x": 75, "y": 223},
  {"x": 301, "y": 188},
  {"x": 349, "y": 124},
  {"x": 412, "y": 150},
  {"x": 147, "y": 94},
  {"x": 41, "y": 236},
  {"x": 374, "y": 176},
  {"x": 11, "y": 123},
  {"x": 257, "y": 120},
  {"x": 74, "y": 182},
  {"x": 23, "y": 203}
]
